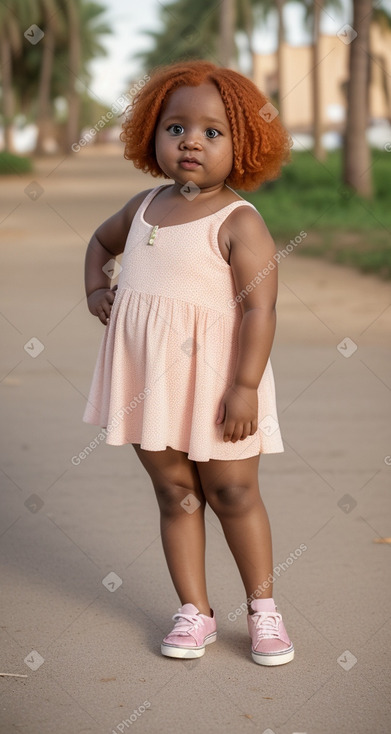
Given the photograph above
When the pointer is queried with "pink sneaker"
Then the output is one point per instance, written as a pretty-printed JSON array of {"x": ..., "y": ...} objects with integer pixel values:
[
  {"x": 270, "y": 642},
  {"x": 192, "y": 631}
]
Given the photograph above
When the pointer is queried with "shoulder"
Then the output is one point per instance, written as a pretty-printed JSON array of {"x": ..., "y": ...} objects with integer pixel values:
[
  {"x": 112, "y": 233},
  {"x": 131, "y": 207},
  {"x": 245, "y": 223}
]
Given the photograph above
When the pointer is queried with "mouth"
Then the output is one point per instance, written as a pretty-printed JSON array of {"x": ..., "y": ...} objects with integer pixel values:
[{"x": 189, "y": 163}]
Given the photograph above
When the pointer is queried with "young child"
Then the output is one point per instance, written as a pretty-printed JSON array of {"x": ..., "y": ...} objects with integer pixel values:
[{"x": 183, "y": 373}]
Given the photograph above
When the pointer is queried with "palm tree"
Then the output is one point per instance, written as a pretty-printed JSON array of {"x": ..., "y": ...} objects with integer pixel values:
[
  {"x": 72, "y": 11},
  {"x": 319, "y": 151},
  {"x": 33, "y": 75},
  {"x": 280, "y": 42},
  {"x": 356, "y": 153},
  {"x": 73, "y": 33},
  {"x": 246, "y": 22},
  {"x": 227, "y": 27},
  {"x": 313, "y": 17},
  {"x": 261, "y": 10},
  {"x": 13, "y": 23},
  {"x": 51, "y": 15},
  {"x": 85, "y": 18},
  {"x": 192, "y": 30},
  {"x": 382, "y": 18},
  {"x": 188, "y": 31}
]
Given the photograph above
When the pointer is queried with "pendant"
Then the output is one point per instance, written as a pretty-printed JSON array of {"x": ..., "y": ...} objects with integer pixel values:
[{"x": 151, "y": 240}]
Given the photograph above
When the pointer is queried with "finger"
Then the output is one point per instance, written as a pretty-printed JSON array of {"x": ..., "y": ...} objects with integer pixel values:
[
  {"x": 102, "y": 315},
  {"x": 110, "y": 297},
  {"x": 254, "y": 427},
  {"x": 106, "y": 308},
  {"x": 237, "y": 433},
  {"x": 228, "y": 430},
  {"x": 233, "y": 431},
  {"x": 220, "y": 413},
  {"x": 246, "y": 431}
]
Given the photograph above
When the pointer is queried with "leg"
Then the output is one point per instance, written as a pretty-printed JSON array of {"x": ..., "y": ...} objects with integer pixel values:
[
  {"x": 231, "y": 489},
  {"x": 174, "y": 477}
]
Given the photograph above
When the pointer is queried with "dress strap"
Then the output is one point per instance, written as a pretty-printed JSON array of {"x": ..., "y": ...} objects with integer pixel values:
[
  {"x": 219, "y": 218},
  {"x": 221, "y": 215},
  {"x": 230, "y": 208},
  {"x": 151, "y": 195}
]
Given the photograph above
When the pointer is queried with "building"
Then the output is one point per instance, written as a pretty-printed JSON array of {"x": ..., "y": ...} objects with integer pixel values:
[{"x": 297, "y": 78}]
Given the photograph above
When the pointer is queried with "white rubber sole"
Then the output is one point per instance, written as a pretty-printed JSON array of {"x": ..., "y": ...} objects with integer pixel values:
[
  {"x": 173, "y": 651},
  {"x": 278, "y": 658}
]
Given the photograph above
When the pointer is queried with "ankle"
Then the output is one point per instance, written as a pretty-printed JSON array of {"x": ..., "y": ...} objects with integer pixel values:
[
  {"x": 204, "y": 609},
  {"x": 263, "y": 596}
]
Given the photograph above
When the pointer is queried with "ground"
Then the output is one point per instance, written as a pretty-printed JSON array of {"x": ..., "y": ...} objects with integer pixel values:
[{"x": 90, "y": 645}]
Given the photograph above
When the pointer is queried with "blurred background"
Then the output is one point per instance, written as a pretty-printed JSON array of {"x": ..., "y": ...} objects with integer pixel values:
[{"x": 69, "y": 68}]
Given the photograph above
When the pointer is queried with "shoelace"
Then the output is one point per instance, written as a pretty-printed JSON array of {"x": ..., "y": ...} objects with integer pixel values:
[
  {"x": 184, "y": 623},
  {"x": 266, "y": 624}
]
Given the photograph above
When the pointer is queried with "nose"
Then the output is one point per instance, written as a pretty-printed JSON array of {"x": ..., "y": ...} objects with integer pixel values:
[{"x": 190, "y": 143}]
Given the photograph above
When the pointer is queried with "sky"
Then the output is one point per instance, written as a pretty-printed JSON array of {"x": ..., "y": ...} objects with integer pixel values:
[{"x": 129, "y": 18}]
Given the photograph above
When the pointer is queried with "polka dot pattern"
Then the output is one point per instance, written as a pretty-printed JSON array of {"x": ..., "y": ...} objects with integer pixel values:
[{"x": 169, "y": 350}]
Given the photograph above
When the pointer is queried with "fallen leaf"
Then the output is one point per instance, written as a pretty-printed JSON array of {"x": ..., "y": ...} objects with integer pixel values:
[
  {"x": 106, "y": 680},
  {"x": 382, "y": 540}
]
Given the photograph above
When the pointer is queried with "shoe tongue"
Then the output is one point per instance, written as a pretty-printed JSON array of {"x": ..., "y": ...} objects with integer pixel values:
[
  {"x": 263, "y": 605},
  {"x": 189, "y": 609}
]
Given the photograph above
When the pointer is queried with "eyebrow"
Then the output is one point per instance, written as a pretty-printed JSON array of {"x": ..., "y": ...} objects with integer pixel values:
[{"x": 214, "y": 120}]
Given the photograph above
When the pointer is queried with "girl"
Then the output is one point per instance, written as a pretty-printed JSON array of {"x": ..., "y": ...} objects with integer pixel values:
[{"x": 183, "y": 372}]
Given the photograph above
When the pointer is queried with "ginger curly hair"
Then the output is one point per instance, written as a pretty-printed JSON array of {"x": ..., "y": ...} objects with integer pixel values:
[{"x": 260, "y": 147}]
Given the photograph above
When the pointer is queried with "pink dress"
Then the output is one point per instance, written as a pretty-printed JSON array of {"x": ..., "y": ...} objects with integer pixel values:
[{"x": 169, "y": 350}]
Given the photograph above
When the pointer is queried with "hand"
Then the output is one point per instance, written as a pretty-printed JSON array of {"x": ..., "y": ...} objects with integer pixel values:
[
  {"x": 100, "y": 303},
  {"x": 239, "y": 409}
]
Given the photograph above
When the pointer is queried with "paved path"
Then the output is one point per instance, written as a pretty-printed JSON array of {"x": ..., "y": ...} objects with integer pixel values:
[{"x": 65, "y": 528}]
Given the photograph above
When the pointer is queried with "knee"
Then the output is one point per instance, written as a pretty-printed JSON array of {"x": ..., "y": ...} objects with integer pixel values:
[
  {"x": 231, "y": 499},
  {"x": 175, "y": 499}
]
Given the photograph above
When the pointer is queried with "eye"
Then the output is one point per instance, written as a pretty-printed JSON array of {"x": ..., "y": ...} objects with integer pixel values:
[
  {"x": 211, "y": 133},
  {"x": 176, "y": 129}
]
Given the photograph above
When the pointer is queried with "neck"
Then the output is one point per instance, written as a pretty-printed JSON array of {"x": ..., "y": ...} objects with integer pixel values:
[{"x": 206, "y": 191}]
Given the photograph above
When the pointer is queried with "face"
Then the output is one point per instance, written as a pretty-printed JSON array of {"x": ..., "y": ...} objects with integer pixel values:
[{"x": 193, "y": 139}]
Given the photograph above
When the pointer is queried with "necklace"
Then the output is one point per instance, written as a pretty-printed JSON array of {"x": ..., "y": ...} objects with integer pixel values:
[{"x": 151, "y": 240}]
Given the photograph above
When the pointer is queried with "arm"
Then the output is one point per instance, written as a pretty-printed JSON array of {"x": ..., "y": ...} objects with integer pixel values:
[
  {"x": 252, "y": 248},
  {"x": 106, "y": 243}
]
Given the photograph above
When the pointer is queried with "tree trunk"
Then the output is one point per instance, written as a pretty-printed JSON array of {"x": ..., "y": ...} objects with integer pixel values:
[
  {"x": 248, "y": 19},
  {"x": 44, "y": 105},
  {"x": 227, "y": 33},
  {"x": 7, "y": 92},
  {"x": 356, "y": 155},
  {"x": 74, "y": 69},
  {"x": 319, "y": 151},
  {"x": 280, "y": 62}
]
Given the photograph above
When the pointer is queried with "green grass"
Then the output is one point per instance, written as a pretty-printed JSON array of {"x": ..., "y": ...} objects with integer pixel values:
[
  {"x": 11, "y": 164},
  {"x": 341, "y": 226}
]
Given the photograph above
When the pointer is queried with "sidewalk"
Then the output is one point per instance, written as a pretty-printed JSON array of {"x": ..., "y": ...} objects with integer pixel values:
[{"x": 91, "y": 650}]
